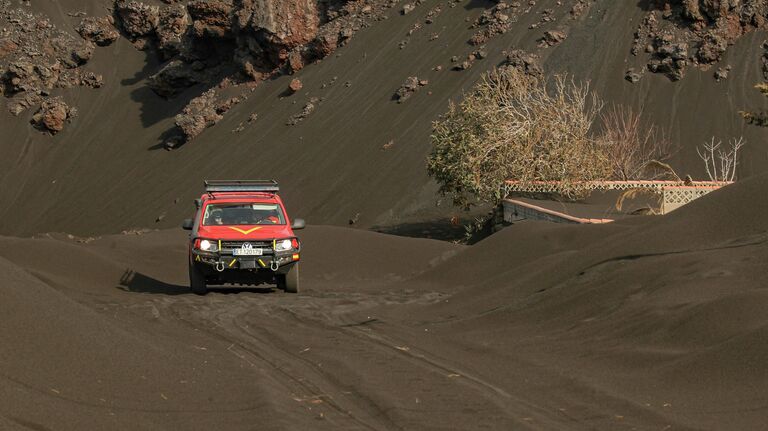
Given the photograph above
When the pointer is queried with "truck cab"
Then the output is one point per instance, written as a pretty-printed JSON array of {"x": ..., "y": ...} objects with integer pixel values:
[{"x": 241, "y": 234}]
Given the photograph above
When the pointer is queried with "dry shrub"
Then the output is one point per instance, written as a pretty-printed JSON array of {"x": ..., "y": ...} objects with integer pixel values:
[
  {"x": 662, "y": 171},
  {"x": 759, "y": 117},
  {"x": 636, "y": 151},
  {"x": 512, "y": 126},
  {"x": 631, "y": 194}
]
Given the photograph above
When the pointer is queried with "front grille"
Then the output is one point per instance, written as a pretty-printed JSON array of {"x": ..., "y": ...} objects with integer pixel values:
[{"x": 228, "y": 246}]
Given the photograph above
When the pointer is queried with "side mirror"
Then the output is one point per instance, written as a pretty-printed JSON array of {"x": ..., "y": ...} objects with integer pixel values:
[
  {"x": 298, "y": 223},
  {"x": 187, "y": 224}
]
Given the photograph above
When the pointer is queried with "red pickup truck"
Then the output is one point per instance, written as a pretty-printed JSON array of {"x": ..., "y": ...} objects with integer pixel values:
[{"x": 241, "y": 234}]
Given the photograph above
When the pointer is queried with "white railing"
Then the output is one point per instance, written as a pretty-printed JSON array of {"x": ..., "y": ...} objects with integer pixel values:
[{"x": 674, "y": 193}]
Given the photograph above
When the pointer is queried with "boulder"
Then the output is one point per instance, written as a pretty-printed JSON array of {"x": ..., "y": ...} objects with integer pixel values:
[
  {"x": 295, "y": 85},
  {"x": 173, "y": 78},
  {"x": 409, "y": 87},
  {"x": 173, "y": 22},
  {"x": 526, "y": 62},
  {"x": 552, "y": 37},
  {"x": 52, "y": 115},
  {"x": 198, "y": 115},
  {"x": 211, "y": 18},
  {"x": 136, "y": 18},
  {"x": 82, "y": 54},
  {"x": 284, "y": 24},
  {"x": 712, "y": 49},
  {"x": 98, "y": 30}
]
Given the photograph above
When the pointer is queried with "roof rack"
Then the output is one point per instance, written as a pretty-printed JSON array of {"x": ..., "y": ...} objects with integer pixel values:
[{"x": 264, "y": 186}]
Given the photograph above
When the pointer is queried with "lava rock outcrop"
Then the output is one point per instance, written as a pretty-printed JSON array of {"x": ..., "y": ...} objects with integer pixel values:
[
  {"x": 37, "y": 58},
  {"x": 202, "y": 42},
  {"x": 678, "y": 33}
]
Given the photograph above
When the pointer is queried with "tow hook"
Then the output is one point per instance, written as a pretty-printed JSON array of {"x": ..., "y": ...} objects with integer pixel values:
[
  {"x": 274, "y": 265},
  {"x": 220, "y": 266}
]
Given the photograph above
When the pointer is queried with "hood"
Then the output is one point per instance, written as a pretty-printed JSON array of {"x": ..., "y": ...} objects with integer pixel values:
[{"x": 245, "y": 232}]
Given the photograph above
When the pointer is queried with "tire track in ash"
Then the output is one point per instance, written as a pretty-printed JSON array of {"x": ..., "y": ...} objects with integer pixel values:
[
  {"x": 536, "y": 416},
  {"x": 256, "y": 351},
  {"x": 438, "y": 382},
  {"x": 523, "y": 413}
]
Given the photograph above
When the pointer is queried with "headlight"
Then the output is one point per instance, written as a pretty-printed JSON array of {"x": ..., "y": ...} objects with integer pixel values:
[
  {"x": 283, "y": 245},
  {"x": 207, "y": 245}
]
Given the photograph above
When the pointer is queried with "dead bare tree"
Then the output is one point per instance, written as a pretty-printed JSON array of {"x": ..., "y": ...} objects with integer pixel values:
[
  {"x": 635, "y": 150},
  {"x": 721, "y": 163}
]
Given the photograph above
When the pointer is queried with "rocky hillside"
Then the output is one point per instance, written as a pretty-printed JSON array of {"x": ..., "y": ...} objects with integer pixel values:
[{"x": 314, "y": 94}]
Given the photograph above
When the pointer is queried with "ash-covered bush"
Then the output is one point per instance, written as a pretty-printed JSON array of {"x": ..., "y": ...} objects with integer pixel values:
[
  {"x": 513, "y": 126},
  {"x": 758, "y": 117}
]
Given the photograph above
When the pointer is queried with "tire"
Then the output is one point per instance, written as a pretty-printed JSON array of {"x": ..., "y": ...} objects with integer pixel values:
[
  {"x": 197, "y": 281},
  {"x": 289, "y": 282}
]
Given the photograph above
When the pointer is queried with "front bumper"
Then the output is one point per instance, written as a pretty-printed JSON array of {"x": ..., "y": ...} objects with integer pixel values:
[{"x": 227, "y": 262}]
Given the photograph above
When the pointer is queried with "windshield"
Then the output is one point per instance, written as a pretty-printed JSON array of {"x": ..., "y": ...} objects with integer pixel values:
[{"x": 243, "y": 214}]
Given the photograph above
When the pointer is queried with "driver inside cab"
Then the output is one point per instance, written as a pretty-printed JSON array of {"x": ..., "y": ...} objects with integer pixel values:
[
  {"x": 216, "y": 215},
  {"x": 270, "y": 217}
]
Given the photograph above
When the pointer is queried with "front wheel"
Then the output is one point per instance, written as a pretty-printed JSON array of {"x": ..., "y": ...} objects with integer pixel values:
[
  {"x": 289, "y": 282},
  {"x": 197, "y": 281}
]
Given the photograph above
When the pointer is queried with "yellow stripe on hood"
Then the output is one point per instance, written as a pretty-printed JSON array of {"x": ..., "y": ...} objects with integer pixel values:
[{"x": 244, "y": 232}]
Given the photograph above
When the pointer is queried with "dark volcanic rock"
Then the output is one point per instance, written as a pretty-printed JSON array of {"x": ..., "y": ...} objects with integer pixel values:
[
  {"x": 670, "y": 59},
  {"x": 173, "y": 22},
  {"x": 7, "y": 47},
  {"x": 295, "y": 85},
  {"x": 203, "y": 41},
  {"x": 283, "y": 24},
  {"x": 264, "y": 35},
  {"x": 22, "y": 101},
  {"x": 713, "y": 10},
  {"x": 632, "y": 76},
  {"x": 98, "y": 30},
  {"x": 82, "y": 54},
  {"x": 705, "y": 27},
  {"x": 524, "y": 61},
  {"x": 722, "y": 73},
  {"x": 211, "y": 18},
  {"x": 306, "y": 111},
  {"x": 53, "y": 115},
  {"x": 552, "y": 38},
  {"x": 173, "y": 78},
  {"x": 203, "y": 112},
  {"x": 92, "y": 80},
  {"x": 36, "y": 58},
  {"x": 409, "y": 87},
  {"x": 495, "y": 21},
  {"x": 136, "y": 18},
  {"x": 199, "y": 114},
  {"x": 259, "y": 36},
  {"x": 712, "y": 49}
]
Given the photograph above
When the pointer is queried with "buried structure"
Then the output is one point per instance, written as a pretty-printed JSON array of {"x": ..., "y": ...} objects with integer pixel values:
[{"x": 671, "y": 195}]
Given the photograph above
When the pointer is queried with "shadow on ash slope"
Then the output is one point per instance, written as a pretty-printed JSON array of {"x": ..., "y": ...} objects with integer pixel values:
[{"x": 646, "y": 324}]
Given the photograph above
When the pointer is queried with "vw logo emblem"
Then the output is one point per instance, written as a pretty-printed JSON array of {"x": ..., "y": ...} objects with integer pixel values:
[{"x": 247, "y": 246}]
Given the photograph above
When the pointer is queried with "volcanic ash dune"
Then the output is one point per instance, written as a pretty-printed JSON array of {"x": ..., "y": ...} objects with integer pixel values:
[{"x": 648, "y": 323}]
